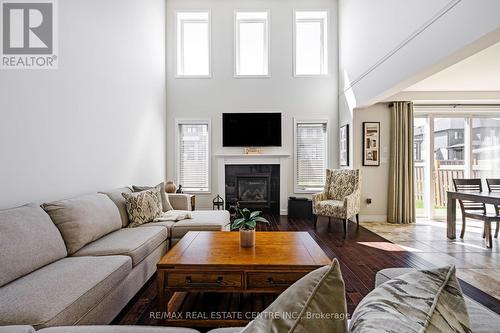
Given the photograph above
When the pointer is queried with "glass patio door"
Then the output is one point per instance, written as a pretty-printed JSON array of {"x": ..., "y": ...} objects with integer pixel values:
[
  {"x": 452, "y": 144},
  {"x": 448, "y": 159}
]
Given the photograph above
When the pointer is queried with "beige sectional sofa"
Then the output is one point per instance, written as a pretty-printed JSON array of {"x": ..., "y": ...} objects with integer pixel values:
[{"x": 74, "y": 262}]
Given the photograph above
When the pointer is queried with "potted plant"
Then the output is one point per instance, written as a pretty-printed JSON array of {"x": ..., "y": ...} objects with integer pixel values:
[{"x": 246, "y": 224}]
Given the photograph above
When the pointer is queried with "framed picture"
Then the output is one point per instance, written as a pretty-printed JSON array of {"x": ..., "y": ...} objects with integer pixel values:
[
  {"x": 344, "y": 145},
  {"x": 371, "y": 143}
]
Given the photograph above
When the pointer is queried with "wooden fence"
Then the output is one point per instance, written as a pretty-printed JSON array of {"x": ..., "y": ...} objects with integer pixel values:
[{"x": 444, "y": 173}]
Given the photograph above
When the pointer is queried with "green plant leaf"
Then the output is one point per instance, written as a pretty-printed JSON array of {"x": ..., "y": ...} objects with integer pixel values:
[
  {"x": 255, "y": 214},
  {"x": 251, "y": 224},
  {"x": 261, "y": 219},
  {"x": 245, "y": 213},
  {"x": 237, "y": 223}
]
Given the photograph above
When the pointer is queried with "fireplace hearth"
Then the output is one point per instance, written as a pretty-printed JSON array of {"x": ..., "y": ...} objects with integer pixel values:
[{"x": 253, "y": 186}]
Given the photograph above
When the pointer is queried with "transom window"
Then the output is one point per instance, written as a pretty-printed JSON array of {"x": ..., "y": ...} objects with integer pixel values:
[
  {"x": 193, "y": 44},
  {"x": 311, "y": 43},
  {"x": 251, "y": 43}
]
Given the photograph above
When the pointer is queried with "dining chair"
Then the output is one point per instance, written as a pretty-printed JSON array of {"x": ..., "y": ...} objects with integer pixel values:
[
  {"x": 494, "y": 186},
  {"x": 469, "y": 207},
  {"x": 475, "y": 210}
]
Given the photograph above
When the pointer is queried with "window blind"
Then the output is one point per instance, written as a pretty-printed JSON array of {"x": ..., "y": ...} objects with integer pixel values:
[
  {"x": 194, "y": 157},
  {"x": 311, "y": 155}
]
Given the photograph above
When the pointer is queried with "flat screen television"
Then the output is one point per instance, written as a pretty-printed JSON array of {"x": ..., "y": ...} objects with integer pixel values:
[{"x": 251, "y": 129}]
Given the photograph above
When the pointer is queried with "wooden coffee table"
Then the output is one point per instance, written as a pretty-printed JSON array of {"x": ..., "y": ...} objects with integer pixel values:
[{"x": 206, "y": 261}]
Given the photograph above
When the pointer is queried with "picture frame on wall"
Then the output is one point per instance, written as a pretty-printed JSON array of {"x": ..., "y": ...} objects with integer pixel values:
[
  {"x": 371, "y": 143},
  {"x": 344, "y": 145}
]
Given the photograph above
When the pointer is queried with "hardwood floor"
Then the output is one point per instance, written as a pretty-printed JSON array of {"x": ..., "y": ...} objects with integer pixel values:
[{"x": 360, "y": 256}]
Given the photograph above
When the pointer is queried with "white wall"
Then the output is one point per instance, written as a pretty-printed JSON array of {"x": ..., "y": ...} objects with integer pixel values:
[
  {"x": 388, "y": 45},
  {"x": 98, "y": 121},
  {"x": 209, "y": 98},
  {"x": 374, "y": 178},
  {"x": 388, "y": 42}
]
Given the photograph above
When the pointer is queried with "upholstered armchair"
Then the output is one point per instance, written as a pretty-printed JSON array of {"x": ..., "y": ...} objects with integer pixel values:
[{"x": 341, "y": 197}]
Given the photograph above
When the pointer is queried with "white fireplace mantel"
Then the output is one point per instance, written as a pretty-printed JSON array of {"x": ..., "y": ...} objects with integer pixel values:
[{"x": 234, "y": 159}]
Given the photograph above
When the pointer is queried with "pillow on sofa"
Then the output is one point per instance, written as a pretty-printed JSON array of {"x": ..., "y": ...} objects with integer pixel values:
[
  {"x": 420, "y": 301},
  {"x": 144, "y": 206},
  {"x": 29, "y": 240},
  {"x": 116, "y": 196},
  {"x": 84, "y": 219},
  {"x": 315, "y": 303},
  {"x": 165, "y": 203}
]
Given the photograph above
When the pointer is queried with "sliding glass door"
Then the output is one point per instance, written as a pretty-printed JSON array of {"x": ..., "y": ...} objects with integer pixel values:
[
  {"x": 448, "y": 159},
  {"x": 451, "y": 144},
  {"x": 486, "y": 147}
]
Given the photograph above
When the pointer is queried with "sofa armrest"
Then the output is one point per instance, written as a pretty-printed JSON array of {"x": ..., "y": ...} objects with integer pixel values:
[
  {"x": 17, "y": 329},
  {"x": 180, "y": 201}
]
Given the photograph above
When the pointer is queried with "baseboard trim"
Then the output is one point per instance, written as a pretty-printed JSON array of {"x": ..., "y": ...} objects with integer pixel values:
[
  {"x": 283, "y": 211},
  {"x": 373, "y": 218}
]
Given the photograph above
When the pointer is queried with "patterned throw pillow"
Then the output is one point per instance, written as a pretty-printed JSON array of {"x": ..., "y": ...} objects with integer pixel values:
[
  {"x": 428, "y": 301},
  {"x": 315, "y": 303},
  {"x": 144, "y": 206}
]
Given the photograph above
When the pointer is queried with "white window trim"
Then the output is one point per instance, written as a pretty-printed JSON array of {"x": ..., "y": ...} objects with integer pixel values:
[
  {"x": 181, "y": 76},
  {"x": 327, "y": 45},
  {"x": 236, "y": 42},
  {"x": 327, "y": 155},
  {"x": 181, "y": 121}
]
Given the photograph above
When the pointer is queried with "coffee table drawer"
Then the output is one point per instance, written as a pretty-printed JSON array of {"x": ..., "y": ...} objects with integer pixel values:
[
  {"x": 272, "y": 279},
  {"x": 204, "y": 280}
]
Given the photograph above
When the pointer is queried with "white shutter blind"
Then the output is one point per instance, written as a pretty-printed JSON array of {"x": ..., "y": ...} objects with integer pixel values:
[
  {"x": 194, "y": 157},
  {"x": 311, "y": 155}
]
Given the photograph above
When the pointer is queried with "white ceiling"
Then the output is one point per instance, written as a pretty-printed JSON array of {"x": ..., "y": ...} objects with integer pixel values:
[{"x": 479, "y": 72}]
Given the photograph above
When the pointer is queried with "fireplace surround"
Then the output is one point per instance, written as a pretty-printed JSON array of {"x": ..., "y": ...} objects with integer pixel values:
[
  {"x": 255, "y": 186},
  {"x": 279, "y": 159}
]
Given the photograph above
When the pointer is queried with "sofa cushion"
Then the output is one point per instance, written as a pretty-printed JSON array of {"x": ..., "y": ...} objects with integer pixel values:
[
  {"x": 202, "y": 220},
  {"x": 117, "y": 329},
  {"x": 426, "y": 300},
  {"x": 62, "y": 292},
  {"x": 316, "y": 301},
  {"x": 143, "y": 207},
  {"x": 482, "y": 319},
  {"x": 29, "y": 240},
  {"x": 165, "y": 203},
  {"x": 164, "y": 224},
  {"x": 137, "y": 243},
  {"x": 84, "y": 219},
  {"x": 116, "y": 196}
]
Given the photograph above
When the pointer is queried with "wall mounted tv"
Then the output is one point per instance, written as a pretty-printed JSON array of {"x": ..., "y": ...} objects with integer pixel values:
[{"x": 260, "y": 129}]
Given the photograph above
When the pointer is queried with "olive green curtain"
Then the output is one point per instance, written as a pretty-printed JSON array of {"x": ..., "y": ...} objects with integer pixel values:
[{"x": 401, "y": 199}]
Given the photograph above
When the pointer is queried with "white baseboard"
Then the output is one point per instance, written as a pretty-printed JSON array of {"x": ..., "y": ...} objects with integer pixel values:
[{"x": 373, "y": 218}]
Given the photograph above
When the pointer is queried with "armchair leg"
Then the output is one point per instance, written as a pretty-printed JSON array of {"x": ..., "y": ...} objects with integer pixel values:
[
  {"x": 496, "y": 231},
  {"x": 357, "y": 220},
  {"x": 315, "y": 218},
  {"x": 329, "y": 221},
  {"x": 346, "y": 224}
]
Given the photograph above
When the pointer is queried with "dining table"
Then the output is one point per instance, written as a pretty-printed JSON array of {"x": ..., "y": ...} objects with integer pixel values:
[{"x": 492, "y": 198}]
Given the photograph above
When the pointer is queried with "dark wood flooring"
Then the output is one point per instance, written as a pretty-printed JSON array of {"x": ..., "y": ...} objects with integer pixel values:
[{"x": 360, "y": 257}]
